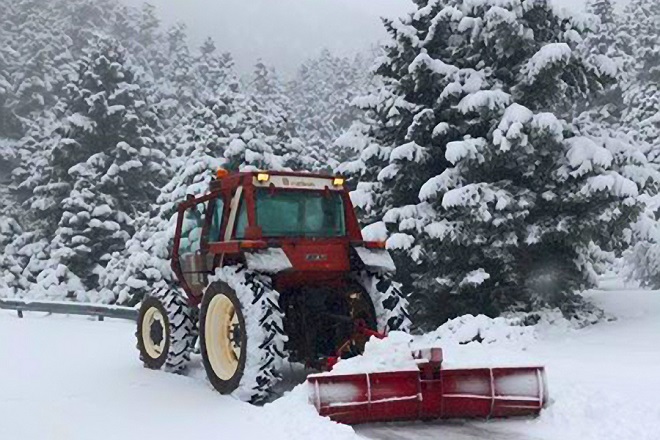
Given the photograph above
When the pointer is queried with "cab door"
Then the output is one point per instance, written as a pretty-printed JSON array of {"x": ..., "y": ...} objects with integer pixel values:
[{"x": 199, "y": 221}]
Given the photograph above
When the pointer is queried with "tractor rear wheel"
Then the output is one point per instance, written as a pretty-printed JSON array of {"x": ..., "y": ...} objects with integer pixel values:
[
  {"x": 166, "y": 331},
  {"x": 223, "y": 339},
  {"x": 241, "y": 334}
]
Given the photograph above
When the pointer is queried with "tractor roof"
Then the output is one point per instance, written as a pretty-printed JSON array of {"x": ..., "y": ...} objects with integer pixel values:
[{"x": 284, "y": 179}]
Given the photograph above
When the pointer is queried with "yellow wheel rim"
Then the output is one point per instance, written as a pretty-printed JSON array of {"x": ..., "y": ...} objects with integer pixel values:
[
  {"x": 154, "y": 349},
  {"x": 222, "y": 333}
]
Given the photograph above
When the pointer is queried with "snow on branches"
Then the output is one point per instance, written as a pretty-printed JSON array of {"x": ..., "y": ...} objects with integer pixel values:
[{"x": 472, "y": 161}]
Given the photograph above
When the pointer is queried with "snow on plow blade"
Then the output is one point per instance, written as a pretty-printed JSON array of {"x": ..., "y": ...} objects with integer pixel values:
[{"x": 430, "y": 393}]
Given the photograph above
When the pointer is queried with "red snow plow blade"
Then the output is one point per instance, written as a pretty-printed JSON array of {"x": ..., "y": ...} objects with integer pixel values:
[{"x": 430, "y": 393}]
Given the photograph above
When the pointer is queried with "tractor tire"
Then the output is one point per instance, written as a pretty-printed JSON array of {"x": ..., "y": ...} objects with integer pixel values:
[
  {"x": 241, "y": 334},
  {"x": 166, "y": 331},
  {"x": 390, "y": 305}
]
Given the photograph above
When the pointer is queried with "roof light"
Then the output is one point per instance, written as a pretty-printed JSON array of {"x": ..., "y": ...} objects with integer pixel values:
[
  {"x": 339, "y": 181},
  {"x": 263, "y": 177},
  {"x": 221, "y": 173}
]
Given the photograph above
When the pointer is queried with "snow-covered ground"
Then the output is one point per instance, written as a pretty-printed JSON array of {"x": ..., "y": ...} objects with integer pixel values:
[
  {"x": 77, "y": 379},
  {"x": 74, "y": 378},
  {"x": 604, "y": 380}
]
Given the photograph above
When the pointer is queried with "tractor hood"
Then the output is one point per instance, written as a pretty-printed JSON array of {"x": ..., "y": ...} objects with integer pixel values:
[
  {"x": 271, "y": 261},
  {"x": 317, "y": 257}
]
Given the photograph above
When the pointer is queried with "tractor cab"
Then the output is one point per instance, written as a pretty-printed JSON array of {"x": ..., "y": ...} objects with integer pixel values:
[
  {"x": 287, "y": 207},
  {"x": 300, "y": 227}
]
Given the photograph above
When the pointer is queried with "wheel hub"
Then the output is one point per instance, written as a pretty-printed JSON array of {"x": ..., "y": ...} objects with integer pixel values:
[
  {"x": 235, "y": 335},
  {"x": 153, "y": 332},
  {"x": 156, "y": 332}
]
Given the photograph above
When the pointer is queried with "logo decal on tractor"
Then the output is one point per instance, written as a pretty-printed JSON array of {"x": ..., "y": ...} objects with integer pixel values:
[
  {"x": 316, "y": 257},
  {"x": 298, "y": 183}
]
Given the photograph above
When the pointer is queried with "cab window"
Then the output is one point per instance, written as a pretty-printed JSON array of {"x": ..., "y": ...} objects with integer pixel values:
[
  {"x": 216, "y": 221},
  {"x": 191, "y": 230},
  {"x": 300, "y": 213},
  {"x": 242, "y": 221}
]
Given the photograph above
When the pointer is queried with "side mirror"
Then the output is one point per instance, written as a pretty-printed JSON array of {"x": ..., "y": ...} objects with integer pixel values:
[{"x": 253, "y": 233}]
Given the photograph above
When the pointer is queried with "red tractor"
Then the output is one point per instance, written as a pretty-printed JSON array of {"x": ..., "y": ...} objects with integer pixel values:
[{"x": 273, "y": 266}]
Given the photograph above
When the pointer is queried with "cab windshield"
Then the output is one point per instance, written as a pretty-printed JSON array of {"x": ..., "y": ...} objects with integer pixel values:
[{"x": 285, "y": 213}]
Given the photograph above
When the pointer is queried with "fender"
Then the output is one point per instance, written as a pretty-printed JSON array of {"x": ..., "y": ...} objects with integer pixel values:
[{"x": 376, "y": 260}]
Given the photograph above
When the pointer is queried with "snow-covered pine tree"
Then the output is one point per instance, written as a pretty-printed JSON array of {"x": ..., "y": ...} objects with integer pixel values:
[
  {"x": 86, "y": 20},
  {"x": 176, "y": 77},
  {"x": 494, "y": 200},
  {"x": 322, "y": 94},
  {"x": 10, "y": 126},
  {"x": 40, "y": 40},
  {"x": 642, "y": 93},
  {"x": 38, "y": 60},
  {"x": 264, "y": 135},
  {"x": 603, "y": 111},
  {"x": 148, "y": 26},
  {"x": 106, "y": 168},
  {"x": 7, "y": 163},
  {"x": 26, "y": 256},
  {"x": 137, "y": 29},
  {"x": 47, "y": 37},
  {"x": 639, "y": 37},
  {"x": 23, "y": 256},
  {"x": 603, "y": 40},
  {"x": 642, "y": 260},
  {"x": 9, "y": 227},
  {"x": 125, "y": 25},
  {"x": 215, "y": 72}
]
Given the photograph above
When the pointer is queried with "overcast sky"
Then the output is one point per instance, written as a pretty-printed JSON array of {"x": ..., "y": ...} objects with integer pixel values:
[{"x": 285, "y": 32}]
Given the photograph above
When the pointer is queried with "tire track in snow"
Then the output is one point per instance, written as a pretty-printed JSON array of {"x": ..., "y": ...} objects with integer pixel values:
[{"x": 455, "y": 430}]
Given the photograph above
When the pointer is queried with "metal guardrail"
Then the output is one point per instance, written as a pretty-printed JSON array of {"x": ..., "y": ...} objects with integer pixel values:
[{"x": 101, "y": 311}]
